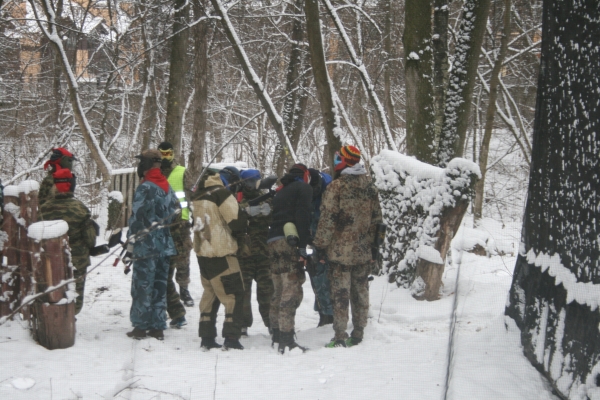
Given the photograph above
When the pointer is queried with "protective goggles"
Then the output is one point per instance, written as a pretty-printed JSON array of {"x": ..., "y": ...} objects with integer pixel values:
[
  {"x": 167, "y": 154},
  {"x": 337, "y": 159}
]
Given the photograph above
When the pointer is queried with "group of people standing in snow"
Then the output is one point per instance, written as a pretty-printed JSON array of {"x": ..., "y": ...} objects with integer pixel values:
[{"x": 243, "y": 230}]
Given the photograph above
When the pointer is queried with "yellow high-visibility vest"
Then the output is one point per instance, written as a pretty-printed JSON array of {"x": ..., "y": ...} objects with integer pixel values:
[{"x": 176, "y": 181}]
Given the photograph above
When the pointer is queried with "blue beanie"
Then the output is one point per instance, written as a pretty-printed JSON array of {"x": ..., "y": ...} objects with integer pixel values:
[{"x": 251, "y": 174}]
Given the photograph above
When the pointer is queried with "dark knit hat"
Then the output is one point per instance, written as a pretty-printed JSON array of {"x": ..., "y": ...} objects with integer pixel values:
[
  {"x": 165, "y": 146},
  {"x": 300, "y": 170},
  {"x": 350, "y": 154}
]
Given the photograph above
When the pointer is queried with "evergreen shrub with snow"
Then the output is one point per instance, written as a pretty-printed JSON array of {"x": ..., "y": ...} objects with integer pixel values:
[{"x": 413, "y": 197}]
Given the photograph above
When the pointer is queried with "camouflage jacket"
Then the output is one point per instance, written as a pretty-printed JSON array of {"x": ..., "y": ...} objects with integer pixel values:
[
  {"x": 259, "y": 219},
  {"x": 349, "y": 215},
  {"x": 47, "y": 189},
  {"x": 82, "y": 234},
  {"x": 151, "y": 204}
]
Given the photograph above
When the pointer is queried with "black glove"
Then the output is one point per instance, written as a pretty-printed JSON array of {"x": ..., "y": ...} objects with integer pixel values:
[
  {"x": 302, "y": 253},
  {"x": 98, "y": 250},
  {"x": 267, "y": 182},
  {"x": 114, "y": 239}
]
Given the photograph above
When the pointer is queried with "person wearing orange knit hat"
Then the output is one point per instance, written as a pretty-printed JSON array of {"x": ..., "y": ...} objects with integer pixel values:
[
  {"x": 61, "y": 158},
  {"x": 350, "y": 212}
]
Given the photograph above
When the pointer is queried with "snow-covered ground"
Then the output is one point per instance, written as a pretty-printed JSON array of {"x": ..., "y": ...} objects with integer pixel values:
[{"x": 405, "y": 354}]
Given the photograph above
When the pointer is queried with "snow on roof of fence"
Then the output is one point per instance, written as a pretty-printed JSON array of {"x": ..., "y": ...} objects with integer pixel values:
[
  {"x": 45, "y": 230},
  {"x": 11, "y": 190}
]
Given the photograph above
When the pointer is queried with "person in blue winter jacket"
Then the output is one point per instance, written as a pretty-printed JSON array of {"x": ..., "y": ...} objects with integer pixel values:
[{"x": 154, "y": 208}]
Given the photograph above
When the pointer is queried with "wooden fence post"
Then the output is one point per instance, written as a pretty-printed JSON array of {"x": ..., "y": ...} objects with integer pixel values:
[
  {"x": 28, "y": 201},
  {"x": 54, "y": 314},
  {"x": 10, "y": 277}
]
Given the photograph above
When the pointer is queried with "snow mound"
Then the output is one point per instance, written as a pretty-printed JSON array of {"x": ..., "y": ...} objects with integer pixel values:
[{"x": 22, "y": 383}]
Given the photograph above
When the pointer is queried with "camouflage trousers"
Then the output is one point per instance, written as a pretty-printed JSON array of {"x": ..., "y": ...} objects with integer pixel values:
[
  {"x": 149, "y": 293},
  {"x": 288, "y": 279},
  {"x": 321, "y": 286},
  {"x": 79, "y": 287},
  {"x": 224, "y": 287},
  {"x": 181, "y": 261},
  {"x": 259, "y": 269},
  {"x": 349, "y": 287},
  {"x": 174, "y": 307}
]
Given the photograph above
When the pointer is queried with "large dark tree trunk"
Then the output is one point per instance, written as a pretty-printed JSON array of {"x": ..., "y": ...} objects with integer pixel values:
[
  {"x": 322, "y": 81},
  {"x": 462, "y": 80},
  {"x": 177, "y": 72},
  {"x": 555, "y": 292},
  {"x": 420, "y": 133}
]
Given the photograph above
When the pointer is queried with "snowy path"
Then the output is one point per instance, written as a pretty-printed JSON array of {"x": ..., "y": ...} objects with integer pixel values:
[{"x": 404, "y": 355}]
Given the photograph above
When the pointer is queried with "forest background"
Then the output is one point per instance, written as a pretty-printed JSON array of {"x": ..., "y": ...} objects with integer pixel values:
[{"x": 287, "y": 80}]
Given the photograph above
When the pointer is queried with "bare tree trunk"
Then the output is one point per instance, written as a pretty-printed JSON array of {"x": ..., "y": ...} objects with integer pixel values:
[
  {"x": 491, "y": 111},
  {"x": 440, "y": 61},
  {"x": 420, "y": 132},
  {"x": 177, "y": 72},
  {"x": 201, "y": 31},
  {"x": 387, "y": 72},
  {"x": 462, "y": 80},
  {"x": 331, "y": 120},
  {"x": 297, "y": 97}
]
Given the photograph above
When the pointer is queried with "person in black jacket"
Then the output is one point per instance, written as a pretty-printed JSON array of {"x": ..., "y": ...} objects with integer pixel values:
[{"x": 292, "y": 203}]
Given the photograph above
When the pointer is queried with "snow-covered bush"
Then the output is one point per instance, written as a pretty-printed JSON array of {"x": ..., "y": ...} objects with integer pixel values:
[{"x": 413, "y": 197}]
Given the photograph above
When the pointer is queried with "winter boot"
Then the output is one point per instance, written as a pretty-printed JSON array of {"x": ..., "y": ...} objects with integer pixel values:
[
  {"x": 325, "y": 319},
  {"x": 352, "y": 341},
  {"x": 244, "y": 332},
  {"x": 178, "y": 322},
  {"x": 209, "y": 343},
  {"x": 336, "y": 343},
  {"x": 286, "y": 339},
  {"x": 275, "y": 336},
  {"x": 185, "y": 296},
  {"x": 156, "y": 334},
  {"x": 232, "y": 343},
  {"x": 137, "y": 333}
]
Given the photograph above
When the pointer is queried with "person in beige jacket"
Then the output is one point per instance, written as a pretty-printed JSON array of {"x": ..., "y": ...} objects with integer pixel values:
[{"x": 217, "y": 222}]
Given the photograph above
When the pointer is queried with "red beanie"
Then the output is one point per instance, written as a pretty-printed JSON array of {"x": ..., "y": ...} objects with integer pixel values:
[{"x": 62, "y": 180}]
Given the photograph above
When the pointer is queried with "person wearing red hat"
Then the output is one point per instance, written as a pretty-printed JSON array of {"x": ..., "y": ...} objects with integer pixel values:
[
  {"x": 345, "y": 235},
  {"x": 61, "y": 158},
  {"x": 82, "y": 229}
]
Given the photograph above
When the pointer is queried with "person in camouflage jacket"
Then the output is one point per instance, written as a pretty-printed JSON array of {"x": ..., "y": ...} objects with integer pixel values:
[
  {"x": 60, "y": 158},
  {"x": 345, "y": 236},
  {"x": 82, "y": 230},
  {"x": 255, "y": 264},
  {"x": 154, "y": 208}
]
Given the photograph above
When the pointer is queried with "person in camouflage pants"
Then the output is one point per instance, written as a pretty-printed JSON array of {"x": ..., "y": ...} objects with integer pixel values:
[
  {"x": 154, "y": 208},
  {"x": 60, "y": 158},
  {"x": 82, "y": 230},
  {"x": 178, "y": 177},
  {"x": 255, "y": 263},
  {"x": 345, "y": 235}
]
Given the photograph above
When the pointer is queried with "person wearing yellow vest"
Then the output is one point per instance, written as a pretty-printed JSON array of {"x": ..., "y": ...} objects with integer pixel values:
[{"x": 183, "y": 242}]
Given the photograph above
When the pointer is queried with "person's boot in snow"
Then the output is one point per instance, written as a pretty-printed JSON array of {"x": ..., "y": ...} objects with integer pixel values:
[
  {"x": 352, "y": 341},
  {"x": 325, "y": 319},
  {"x": 156, "y": 334},
  {"x": 137, "y": 333},
  {"x": 186, "y": 298},
  {"x": 275, "y": 336},
  {"x": 336, "y": 343},
  {"x": 286, "y": 339},
  {"x": 178, "y": 322},
  {"x": 231, "y": 343},
  {"x": 209, "y": 343}
]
